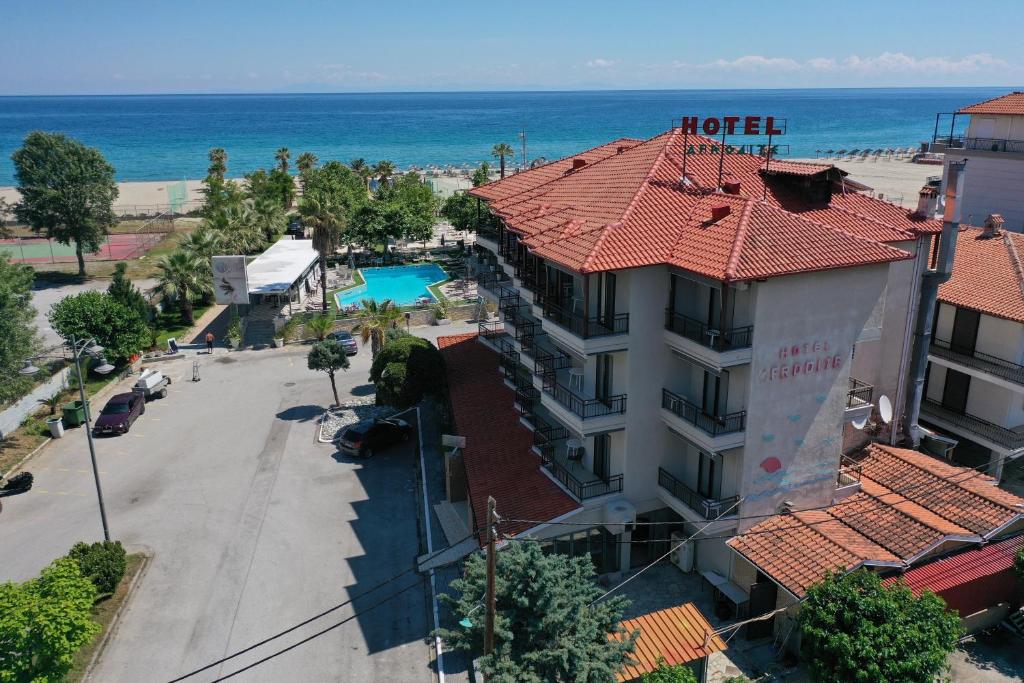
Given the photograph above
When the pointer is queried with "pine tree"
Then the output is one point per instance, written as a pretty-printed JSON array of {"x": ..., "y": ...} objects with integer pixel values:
[{"x": 127, "y": 294}]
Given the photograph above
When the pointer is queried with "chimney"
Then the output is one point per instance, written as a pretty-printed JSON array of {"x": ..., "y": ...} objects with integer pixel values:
[
  {"x": 621, "y": 148},
  {"x": 578, "y": 163},
  {"x": 731, "y": 187},
  {"x": 993, "y": 226},
  {"x": 927, "y": 202},
  {"x": 719, "y": 212}
]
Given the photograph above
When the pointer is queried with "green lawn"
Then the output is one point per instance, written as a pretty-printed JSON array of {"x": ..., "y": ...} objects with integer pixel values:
[{"x": 169, "y": 324}]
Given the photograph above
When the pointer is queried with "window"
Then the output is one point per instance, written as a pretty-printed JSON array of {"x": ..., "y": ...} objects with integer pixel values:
[
  {"x": 602, "y": 547},
  {"x": 709, "y": 476},
  {"x": 602, "y": 455}
]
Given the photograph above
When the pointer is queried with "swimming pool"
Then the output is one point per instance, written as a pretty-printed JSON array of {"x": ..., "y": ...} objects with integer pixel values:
[{"x": 402, "y": 284}]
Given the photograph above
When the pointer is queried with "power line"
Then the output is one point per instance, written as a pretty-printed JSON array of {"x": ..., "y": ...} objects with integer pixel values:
[
  {"x": 319, "y": 633},
  {"x": 894, "y": 492},
  {"x": 313, "y": 618}
]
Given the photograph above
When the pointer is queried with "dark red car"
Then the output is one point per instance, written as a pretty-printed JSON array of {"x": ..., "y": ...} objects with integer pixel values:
[{"x": 119, "y": 414}]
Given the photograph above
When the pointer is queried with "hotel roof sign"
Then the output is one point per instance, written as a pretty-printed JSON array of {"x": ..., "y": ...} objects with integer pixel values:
[{"x": 733, "y": 125}]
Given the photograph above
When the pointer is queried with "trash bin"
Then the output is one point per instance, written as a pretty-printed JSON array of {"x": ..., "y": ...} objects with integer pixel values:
[
  {"x": 56, "y": 426},
  {"x": 74, "y": 413}
]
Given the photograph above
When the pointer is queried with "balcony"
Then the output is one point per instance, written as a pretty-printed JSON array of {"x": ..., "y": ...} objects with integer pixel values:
[
  {"x": 585, "y": 408},
  {"x": 859, "y": 394},
  {"x": 487, "y": 237},
  {"x": 970, "y": 358},
  {"x": 710, "y": 424},
  {"x": 493, "y": 283},
  {"x": 980, "y": 144},
  {"x": 706, "y": 344},
  {"x": 549, "y": 441},
  {"x": 707, "y": 508},
  {"x": 974, "y": 428},
  {"x": 584, "y": 327}
]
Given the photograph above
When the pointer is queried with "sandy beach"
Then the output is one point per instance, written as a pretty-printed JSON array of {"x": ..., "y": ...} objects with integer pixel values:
[{"x": 897, "y": 180}]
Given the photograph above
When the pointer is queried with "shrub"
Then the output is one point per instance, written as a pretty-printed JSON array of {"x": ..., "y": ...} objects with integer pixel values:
[
  {"x": 669, "y": 673},
  {"x": 1018, "y": 565},
  {"x": 118, "y": 329},
  {"x": 102, "y": 563},
  {"x": 406, "y": 370},
  {"x": 319, "y": 326}
]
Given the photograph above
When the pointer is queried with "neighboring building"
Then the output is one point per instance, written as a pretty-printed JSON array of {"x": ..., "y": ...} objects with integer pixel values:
[
  {"x": 902, "y": 509},
  {"x": 668, "y": 637},
  {"x": 681, "y": 351},
  {"x": 993, "y": 146},
  {"x": 975, "y": 383}
]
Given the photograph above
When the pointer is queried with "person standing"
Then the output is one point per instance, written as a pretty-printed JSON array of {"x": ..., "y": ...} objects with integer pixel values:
[{"x": 209, "y": 342}]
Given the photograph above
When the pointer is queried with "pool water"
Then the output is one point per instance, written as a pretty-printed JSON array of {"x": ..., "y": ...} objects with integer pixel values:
[{"x": 402, "y": 284}]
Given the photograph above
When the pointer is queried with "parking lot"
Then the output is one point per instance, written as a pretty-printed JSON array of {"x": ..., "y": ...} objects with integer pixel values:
[{"x": 253, "y": 525}]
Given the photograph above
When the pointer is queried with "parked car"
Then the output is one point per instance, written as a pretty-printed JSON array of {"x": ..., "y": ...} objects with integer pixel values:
[
  {"x": 361, "y": 440},
  {"x": 346, "y": 340},
  {"x": 118, "y": 415}
]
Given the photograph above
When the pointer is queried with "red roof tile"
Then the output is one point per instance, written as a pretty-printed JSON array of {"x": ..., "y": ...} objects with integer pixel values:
[
  {"x": 629, "y": 209},
  {"x": 676, "y": 634},
  {"x": 498, "y": 456},
  {"x": 937, "y": 503},
  {"x": 986, "y": 274},
  {"x": 956, "y": 570},
  {"x": 1012, "y": 104}
]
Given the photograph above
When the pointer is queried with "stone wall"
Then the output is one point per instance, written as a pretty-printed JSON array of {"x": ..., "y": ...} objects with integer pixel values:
[{"x": 417, "y": 318}]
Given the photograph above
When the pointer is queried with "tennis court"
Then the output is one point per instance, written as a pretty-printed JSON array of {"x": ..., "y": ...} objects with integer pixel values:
[{"x": 114, "y": 248}]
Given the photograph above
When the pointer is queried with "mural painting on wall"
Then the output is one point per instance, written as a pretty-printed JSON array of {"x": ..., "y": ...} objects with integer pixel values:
[{"x": 801, "y": 370}]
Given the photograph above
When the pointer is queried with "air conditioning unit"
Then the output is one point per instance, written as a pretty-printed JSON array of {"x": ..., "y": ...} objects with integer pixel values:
[{"x": 682, "y": 553}]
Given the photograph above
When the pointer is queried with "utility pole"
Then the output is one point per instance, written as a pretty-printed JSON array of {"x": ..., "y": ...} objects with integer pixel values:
[
  {"x": 522, "y": 136},
  {"x": 491, "y": 600}
]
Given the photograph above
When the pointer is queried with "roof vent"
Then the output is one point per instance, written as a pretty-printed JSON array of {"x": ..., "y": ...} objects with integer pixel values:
[
  {"x": 621, "y": 148},
  {"x": 578, "y": 163},
  {"x": 731, "y": 187},
  {"x": 719, "y": 212},
  {"x": 993, "y": 225}
]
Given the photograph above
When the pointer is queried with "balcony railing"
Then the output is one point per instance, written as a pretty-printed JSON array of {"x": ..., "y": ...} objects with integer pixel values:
[
  {"x": 526, "y": 399},
  {"x": 581, "y": 490},
  {"x": 490, "y": 329},
  {"x": 981, "y": 361},
  {"x": 708, "y": 508},
  {"x": 980, "y": 144},
  {"x": 859, "y": 393},
  {"x": 586, "y": 407},
  {"x": 493, "y": 282},
  {"x": 712, "y": 424},
  {"x": 1007, "y": 438},
  {"x": 703, "y": 334},
  {"x": 597, "y": 326},
  {"x": 849, "y": 472},
  {"x": 547, "y": 364}
]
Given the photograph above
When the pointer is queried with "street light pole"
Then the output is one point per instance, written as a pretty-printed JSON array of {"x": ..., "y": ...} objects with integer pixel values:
[{"x": 88, "y": 432}]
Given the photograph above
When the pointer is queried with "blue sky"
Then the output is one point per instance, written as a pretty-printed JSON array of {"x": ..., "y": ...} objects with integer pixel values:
[{"x": 156, "y": 46}]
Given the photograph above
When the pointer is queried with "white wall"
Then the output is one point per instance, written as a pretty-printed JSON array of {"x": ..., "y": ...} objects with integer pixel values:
[
  {"x": 1000, "y": 338},
  {"x": 993, "y": 183},
  {"x": 1002, "y": 127}
]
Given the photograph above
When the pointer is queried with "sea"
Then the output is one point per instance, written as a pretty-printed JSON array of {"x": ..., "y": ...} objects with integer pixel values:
[{"x": 167, "y": 137}]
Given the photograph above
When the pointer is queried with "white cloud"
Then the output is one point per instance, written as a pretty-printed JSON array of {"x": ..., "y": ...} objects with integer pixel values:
[
  {"x": 599, "y": 63},
  {"x": 885, "y": 63}
]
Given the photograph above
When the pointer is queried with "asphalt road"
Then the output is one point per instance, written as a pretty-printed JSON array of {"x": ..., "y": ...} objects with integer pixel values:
[{"x": 253, "y": 526}]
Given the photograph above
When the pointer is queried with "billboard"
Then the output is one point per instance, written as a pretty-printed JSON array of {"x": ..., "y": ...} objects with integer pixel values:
[{"x": 230, "y": 284}]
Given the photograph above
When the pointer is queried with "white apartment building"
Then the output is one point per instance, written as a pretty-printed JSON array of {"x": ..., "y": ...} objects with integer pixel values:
[
  {"x": 993, "y": 146},
  {"x": 691, "y": 350},
  {"x": 975, "y": 384}
]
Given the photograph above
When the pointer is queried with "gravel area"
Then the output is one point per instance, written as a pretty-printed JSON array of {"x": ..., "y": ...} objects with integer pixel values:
[{"x": 361, "y": 410}]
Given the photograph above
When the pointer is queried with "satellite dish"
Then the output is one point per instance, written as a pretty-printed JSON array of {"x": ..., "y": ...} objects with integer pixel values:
[
  {"x": 885, "y": 408},
  {"x": 860, "y": 422}
]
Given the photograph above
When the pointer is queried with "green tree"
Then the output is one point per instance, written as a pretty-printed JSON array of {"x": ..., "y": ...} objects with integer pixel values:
[
  {"x": 320, "y": 326},
  {"x": 460, "y": 209},
  {"x": 669, "y": 673},
  {"x": 103, "y": 563},
  {"x": 67, "y": 191},
  {"x": 44, "y": 622},
  {"x": 117, "y": 328},
  {"x": 1018, "y": 564},
  {"x": 546, "y": 627},
  {"x": 383, "y": 171},
  {"x": 502, "y": 151},
  {"x": 284, "y": 187},
  {"x": 418, "y": 205},
  {"x": 18, "y": 337},
  {"x": 482, "y": 175},
  {"x": 282, "y": 156},
  {"x": 377, "y": 319},
  {"x": 204, "y": 243},
  {"x": 853, "y": 628},
  {"x": 405, "y": 370},
  {"x": 363, "y": 170},
  {"x": 218, "y": 163},
  {"x": 6, "y": 211},
  {"x": 327, "y": 221},
  {"x": 219, "y": 192},
  {"x": 239, "y": 227},
  {"x": 181, "y": 277},
  {"x": 127, "y": 294},
  {"x": 328, "y": 356}
]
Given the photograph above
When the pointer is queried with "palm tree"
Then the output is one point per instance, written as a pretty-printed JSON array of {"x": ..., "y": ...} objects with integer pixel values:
[
  {"x": 282, "y": 156},
  {"x": 218, "y": 163},
  {"x": 378, "y": 318},
  {"x": 306, "y": 162},
  {"x": 182, "y": 275},
  {"x": 383, "y": 170},
  {"x": 204, "y": 243},
  {"x": 502, "y": 150},
  {"x": 327, "y": 223},
  {"x": 361, "y": 169}
]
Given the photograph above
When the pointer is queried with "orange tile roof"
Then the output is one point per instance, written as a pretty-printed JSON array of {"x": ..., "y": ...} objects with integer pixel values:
[
  {"x": 936, "y": 503},
  {"x": 1012, "y": 104},
  {"x": 676, "y": 634},
  {"x": 628, "y": 208},
  {"x": 986, "y": 274},
  {"x": 498, "y": 456}
]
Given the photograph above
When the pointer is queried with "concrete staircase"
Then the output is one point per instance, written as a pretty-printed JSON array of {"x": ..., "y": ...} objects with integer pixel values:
[{"x": 259, "y": 334}]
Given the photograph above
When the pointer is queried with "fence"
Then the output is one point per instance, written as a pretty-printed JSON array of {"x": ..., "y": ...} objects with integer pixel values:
[{"x": 128, "y": 242}]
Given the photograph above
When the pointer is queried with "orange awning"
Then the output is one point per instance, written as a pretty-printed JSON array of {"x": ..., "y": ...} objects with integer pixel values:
[{"x": 676, "y": 634}]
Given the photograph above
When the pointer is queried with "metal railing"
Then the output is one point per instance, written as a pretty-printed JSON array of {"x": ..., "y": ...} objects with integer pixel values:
[
  {"x": 695, "y": 415},
  {"x": 586, "y": 407},
  {"x": 596, "y": 326},
  {"x": 488, "y": 329},
  {"x": 526, "y": 398},
  {"x": 493, "y": 282},
  {"x": 1003, "y": 436},
  {"x": 547, "y": 364},
  {"x": 849, "y": 472},
  {"x": 980, "y": 144},
  {"x": 859, "y": 394},
  {"x": 581, "y": 490},
  {"x": 982, "y": 361},
  {"x": 708, "y": 508},
  {"x": 703, "y": 334}
]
